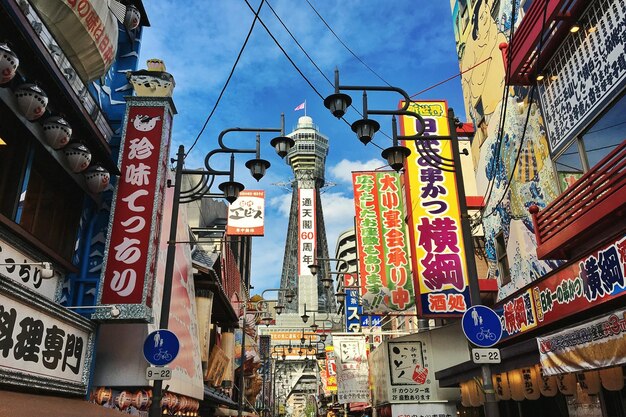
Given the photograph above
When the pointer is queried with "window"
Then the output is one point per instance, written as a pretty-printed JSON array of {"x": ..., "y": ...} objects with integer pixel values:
[
  {"x": 604, "y": 134},
  {"x": 503, "y": 260},
  {"x": 36, "y": 192}
]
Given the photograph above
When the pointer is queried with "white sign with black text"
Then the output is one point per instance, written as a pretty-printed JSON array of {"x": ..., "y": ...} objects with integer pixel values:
[
  {"x": 486, "y": 355},
  {"x": 161, "y": 373}
]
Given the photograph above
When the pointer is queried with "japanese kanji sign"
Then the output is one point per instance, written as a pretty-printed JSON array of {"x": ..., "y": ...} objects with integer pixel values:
[
  {"x": 246, "y": 215},
  {"x": 130, "y": 259},
  {"x": 28, "y": 275},
  {"x": 382, "y": 242},
  {"x": 439, "y": 265},
  {"x": 595, "y": 344},
  {"x": 353, "y": 307},
  {"x": 331, "y": 369},
  {"x": 352, "y": 368},
  {"x": 306, "y": 230},
  {"x": 37, "y": 345},
  {"x": 586, "y": 282}
]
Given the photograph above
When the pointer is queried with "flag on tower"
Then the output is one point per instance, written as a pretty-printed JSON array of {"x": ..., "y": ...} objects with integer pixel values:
[{"x": 301, "y": 106}]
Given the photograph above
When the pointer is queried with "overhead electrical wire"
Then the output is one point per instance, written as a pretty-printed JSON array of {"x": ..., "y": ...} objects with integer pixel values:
[
  {"x": 346, "y": 46},
  {"x": 230, "y": 75}
]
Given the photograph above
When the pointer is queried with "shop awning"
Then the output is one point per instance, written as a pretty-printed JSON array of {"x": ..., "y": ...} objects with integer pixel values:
[{"x": 17, "y": 404}]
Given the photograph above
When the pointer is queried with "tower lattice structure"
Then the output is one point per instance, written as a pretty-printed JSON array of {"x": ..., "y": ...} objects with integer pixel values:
[{"x": 308, "y": 162}]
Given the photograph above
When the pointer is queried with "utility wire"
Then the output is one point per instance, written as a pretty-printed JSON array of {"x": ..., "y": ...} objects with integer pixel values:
[
  {"x": 451, "y": 78},
  {"x": 298, "y": 43},
  {"x": 232, "y": 71},
  {"x": 346, "y": 46}
]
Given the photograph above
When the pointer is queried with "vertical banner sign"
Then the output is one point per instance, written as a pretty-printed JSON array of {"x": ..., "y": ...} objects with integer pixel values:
[
  {"x": 382, "y": 242},
  {"x": 246, "y": 215},
  {"x": 331, "y": 369},
  {"x": 352, "y": 369},
  {"x": 306, "y": 230},
  {"x": 353, "y": 307},
  {"x": 439, "y": 265},
  {"x": 134, "y": 229}
]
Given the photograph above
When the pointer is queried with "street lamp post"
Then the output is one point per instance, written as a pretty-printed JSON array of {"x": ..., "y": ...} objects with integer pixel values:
[
  {"x": 338, "y": 102},
  {"x": 230, "y": 190}
]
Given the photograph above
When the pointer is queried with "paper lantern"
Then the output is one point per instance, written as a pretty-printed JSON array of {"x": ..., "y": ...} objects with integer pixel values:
[
  {"x": 132, "y": 17},
  {"x": 516, "y": 382},
  {"x": 476, "y": 394},
  {"x": 31, "y": 100},
  {"x": 141, "y": 400},
  {"x": 124, "y": 400},
  {"x": 78, "y": 157},
  {"x": 57, "y": 132},
  {"x": 547, "y": 384},
  {"x": 531, "y": 383},
  {"x": 102, "y": 395},
  {"x": 465, "y": 394},
  {"x": 97, "y": 179},
  {"x": 589, "y": 382},
  {"x": 8, "y": 63},
  {"x": 612, "y": 378},
  {"x": 566, "y": 383},
  {"x": 501, "y": 386}
]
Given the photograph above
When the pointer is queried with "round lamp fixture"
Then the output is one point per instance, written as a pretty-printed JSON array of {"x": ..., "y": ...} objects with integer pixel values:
[
  {"x": 305, "y": 317},
  {"x": 395, "y": 156},
  {"x": 365, "y": 129},
  {"x": 323, "y": 337},
  {"x": 279, "y": 308},
  {"x": 314, "y": 327},
  {"x": 314, "y": 268},
  {"x": 337, "y": 104},
  {"x": 57, "y": 132},
  {"x": 231, "y": 190},
  {"x": 327, "y": 282},
  {"x": 267, "y": 320},
  {"x": 289, "y": 296},
  {"x": 340, "y": 296},
  {"x": 282, "y": 145},
  {"x": 257, "y": 168}
]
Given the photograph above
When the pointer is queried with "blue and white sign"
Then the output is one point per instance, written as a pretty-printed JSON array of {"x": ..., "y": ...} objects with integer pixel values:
[
  {"x": 161, "y": 347},
  {"x": 482, "y": 326}
]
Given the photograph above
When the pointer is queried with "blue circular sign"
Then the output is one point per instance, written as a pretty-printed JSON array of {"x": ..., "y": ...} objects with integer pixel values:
[
  {"x": 482, "y": 326},
  {"x": 161, "y": 347}
]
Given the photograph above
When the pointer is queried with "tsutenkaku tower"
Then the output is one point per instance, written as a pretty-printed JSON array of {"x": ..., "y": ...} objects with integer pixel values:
[{"x": 306, "y": 235}]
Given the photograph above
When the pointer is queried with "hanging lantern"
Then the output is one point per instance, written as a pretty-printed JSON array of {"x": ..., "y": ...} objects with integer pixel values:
[
  {"x": 97, "y": 179},
  {"x": 531, "y": 383},
  {"x": 132, "y": 17},
  {"x": 589, "y": 382},
  {"x": 516, "y": 382},
  {"x": 566, "y": 383},
  {"x": 612, "y": 378},
  {"x": 501, "y": 386},
  {"x": 31, "y": 100},
  {"x": 102, "y": 395},
  {"x": 547, "y": 384},
  {"x": 141, "y": 401},
  {"x": 124, "y": 400},
  {"x": 465, "y": 394},
  {"x": 8, "y": 63},
  {"x": 57, "y": 132},
  {"x": 476, "y": 394},
  {"x": 78, "y": 157}
]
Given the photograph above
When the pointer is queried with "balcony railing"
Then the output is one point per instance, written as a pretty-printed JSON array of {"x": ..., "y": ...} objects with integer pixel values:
[
  {"x": 587, "y": 213},
  {"x": 559, "y": 16}
]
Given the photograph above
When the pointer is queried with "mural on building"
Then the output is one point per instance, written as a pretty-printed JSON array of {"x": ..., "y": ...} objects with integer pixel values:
[{"x": 513, "y": 166}]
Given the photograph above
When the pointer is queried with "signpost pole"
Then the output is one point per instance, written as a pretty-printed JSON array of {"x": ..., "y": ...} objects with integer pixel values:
[
  {"x": 491, "y": 405},
  {"x": 155, "y": 407}
]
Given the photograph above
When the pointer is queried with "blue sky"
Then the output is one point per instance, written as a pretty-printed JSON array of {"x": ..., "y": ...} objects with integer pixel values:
[{"x": 409, "y": 43}]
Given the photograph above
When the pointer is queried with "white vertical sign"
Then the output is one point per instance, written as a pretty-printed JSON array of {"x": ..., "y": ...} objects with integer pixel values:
[
  {"x": 306, "y": 230},
  {"x": 352, "y": 368}
]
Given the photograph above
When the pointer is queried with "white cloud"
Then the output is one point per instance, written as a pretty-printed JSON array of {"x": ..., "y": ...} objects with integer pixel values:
[
  {"x": 343, "y": 170},
  {"x": 338, "y": 216}
]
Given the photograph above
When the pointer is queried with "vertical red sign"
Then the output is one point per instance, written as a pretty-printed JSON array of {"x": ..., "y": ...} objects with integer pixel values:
[{"x": 130, "y": 263}]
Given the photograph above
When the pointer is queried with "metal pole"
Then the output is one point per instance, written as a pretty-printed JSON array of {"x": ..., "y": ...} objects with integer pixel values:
[
  {"x": 491, "y": 405},
  {"x": 243, "y": 360},
  {"x": 155, "y": 407}
]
